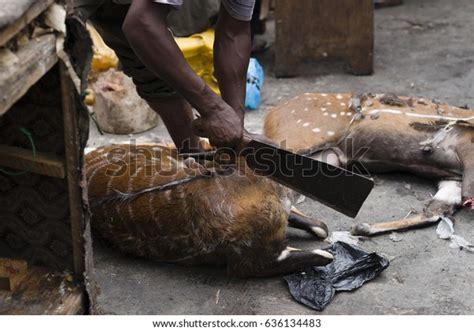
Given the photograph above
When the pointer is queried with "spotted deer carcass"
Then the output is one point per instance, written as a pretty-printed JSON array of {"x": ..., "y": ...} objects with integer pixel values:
[
  {"x": 150, "y": 202},
  {"x": 385, "y": 133}
]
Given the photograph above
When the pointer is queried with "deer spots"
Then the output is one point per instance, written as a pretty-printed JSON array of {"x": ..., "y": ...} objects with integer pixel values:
[
  {"x": 311, "y": 121},
  {"x": 293, "y": 111}
]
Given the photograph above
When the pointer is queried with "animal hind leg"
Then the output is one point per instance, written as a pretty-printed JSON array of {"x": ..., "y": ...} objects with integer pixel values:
[
  {"x": 298, "y": 220},
  {"x": 288, "y": 261},
  {"x": 444, "y": 203},
  {"x": 465, "y": 152}
]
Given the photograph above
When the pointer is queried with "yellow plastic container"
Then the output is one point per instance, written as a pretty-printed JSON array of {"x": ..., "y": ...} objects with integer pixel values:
[
  {"x": 104, "y": 57},
  {"x": 197, "y": 50}
]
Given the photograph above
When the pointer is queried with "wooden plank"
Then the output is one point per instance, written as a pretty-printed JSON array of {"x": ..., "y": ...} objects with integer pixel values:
[
  {"x": 12, "y": 273},
  {"x": 44, "y": 292},
  {"x": 23, "y": 159},
  {"x": 34, "y": 11},
  {"x": 33, "y": 61},
  {"x": 72, "y": 146}
]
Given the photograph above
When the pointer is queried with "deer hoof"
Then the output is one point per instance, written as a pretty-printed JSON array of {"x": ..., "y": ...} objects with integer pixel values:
[
  {"x": 469, "y": 203},
  {"x": 319, "y": 229},
  {"x": 361, "y": 229},
  {"x": 319, "y": 232},
  {"x": 322, "y": 257}
]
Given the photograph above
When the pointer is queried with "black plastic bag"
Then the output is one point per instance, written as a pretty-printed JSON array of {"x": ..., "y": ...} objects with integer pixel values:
[{"x": 352, "y": 267}]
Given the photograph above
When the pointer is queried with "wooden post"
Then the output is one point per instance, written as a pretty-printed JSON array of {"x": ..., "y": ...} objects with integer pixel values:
[
  {"x": 73, "y": 169},
  {"x": 360, "y": 40},
  {"x": 314, "y": 30}
]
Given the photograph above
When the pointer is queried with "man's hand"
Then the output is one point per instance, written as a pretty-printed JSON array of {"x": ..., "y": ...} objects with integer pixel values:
[{"x": 223, "y": 127}]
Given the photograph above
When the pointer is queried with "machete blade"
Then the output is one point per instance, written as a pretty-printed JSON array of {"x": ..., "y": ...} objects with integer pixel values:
[{"x": 335, "y": 187}]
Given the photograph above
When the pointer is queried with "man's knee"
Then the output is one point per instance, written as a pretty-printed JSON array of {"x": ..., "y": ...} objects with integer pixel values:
[{"x": 153, "y": 89}]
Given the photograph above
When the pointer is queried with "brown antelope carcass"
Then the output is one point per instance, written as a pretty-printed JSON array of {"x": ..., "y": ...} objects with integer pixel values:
[
  {"x": 152, "y": 203},
  {"x": 385, "y": 133}
]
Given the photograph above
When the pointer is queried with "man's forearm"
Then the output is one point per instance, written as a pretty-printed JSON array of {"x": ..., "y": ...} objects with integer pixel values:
[
  {"x": 231, "y": 59},
  {"x": 147, "y": 32}
]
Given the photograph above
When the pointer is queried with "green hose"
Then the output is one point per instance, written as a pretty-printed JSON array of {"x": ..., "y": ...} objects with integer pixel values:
[{"x": 33, "y": 149}]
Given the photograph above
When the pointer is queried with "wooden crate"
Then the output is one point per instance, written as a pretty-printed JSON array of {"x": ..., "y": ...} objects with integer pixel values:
[
  {"x": 309, "y": 31},
  {"x": 43, "y": 132}
]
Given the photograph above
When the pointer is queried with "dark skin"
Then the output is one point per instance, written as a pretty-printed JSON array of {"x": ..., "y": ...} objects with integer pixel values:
[{"x": 221, "y": 120}]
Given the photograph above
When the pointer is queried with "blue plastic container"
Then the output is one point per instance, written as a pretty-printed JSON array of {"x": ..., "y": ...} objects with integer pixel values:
[{"x": 255, "y": 78}]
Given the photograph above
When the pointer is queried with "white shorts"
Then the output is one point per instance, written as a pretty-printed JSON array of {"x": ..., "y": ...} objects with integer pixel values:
[{"x": 241, "y": 10}]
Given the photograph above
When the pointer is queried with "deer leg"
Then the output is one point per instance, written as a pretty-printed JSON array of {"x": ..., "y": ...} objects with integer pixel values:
[
  {"x": 366, "y": 229},
  {"x": 298, "y": 220},
  {"x": 466, "y": 154},
  {"x": 291, "y": 260},
  {"x": 444, "y": 203},
  {"x": 288, "y": 261}
]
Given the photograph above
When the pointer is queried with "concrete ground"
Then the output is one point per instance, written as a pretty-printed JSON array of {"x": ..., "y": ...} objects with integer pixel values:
[{"x": 423, "y": 48}]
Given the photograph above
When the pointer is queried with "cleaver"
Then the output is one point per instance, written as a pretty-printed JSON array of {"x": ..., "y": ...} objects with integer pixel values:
[{"x": 337, "y": 188}]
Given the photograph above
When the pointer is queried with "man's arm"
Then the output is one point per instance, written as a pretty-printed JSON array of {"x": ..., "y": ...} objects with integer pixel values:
[
  {"x": 231, "y": 58},
  {"x": 146, "y": 30}
]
